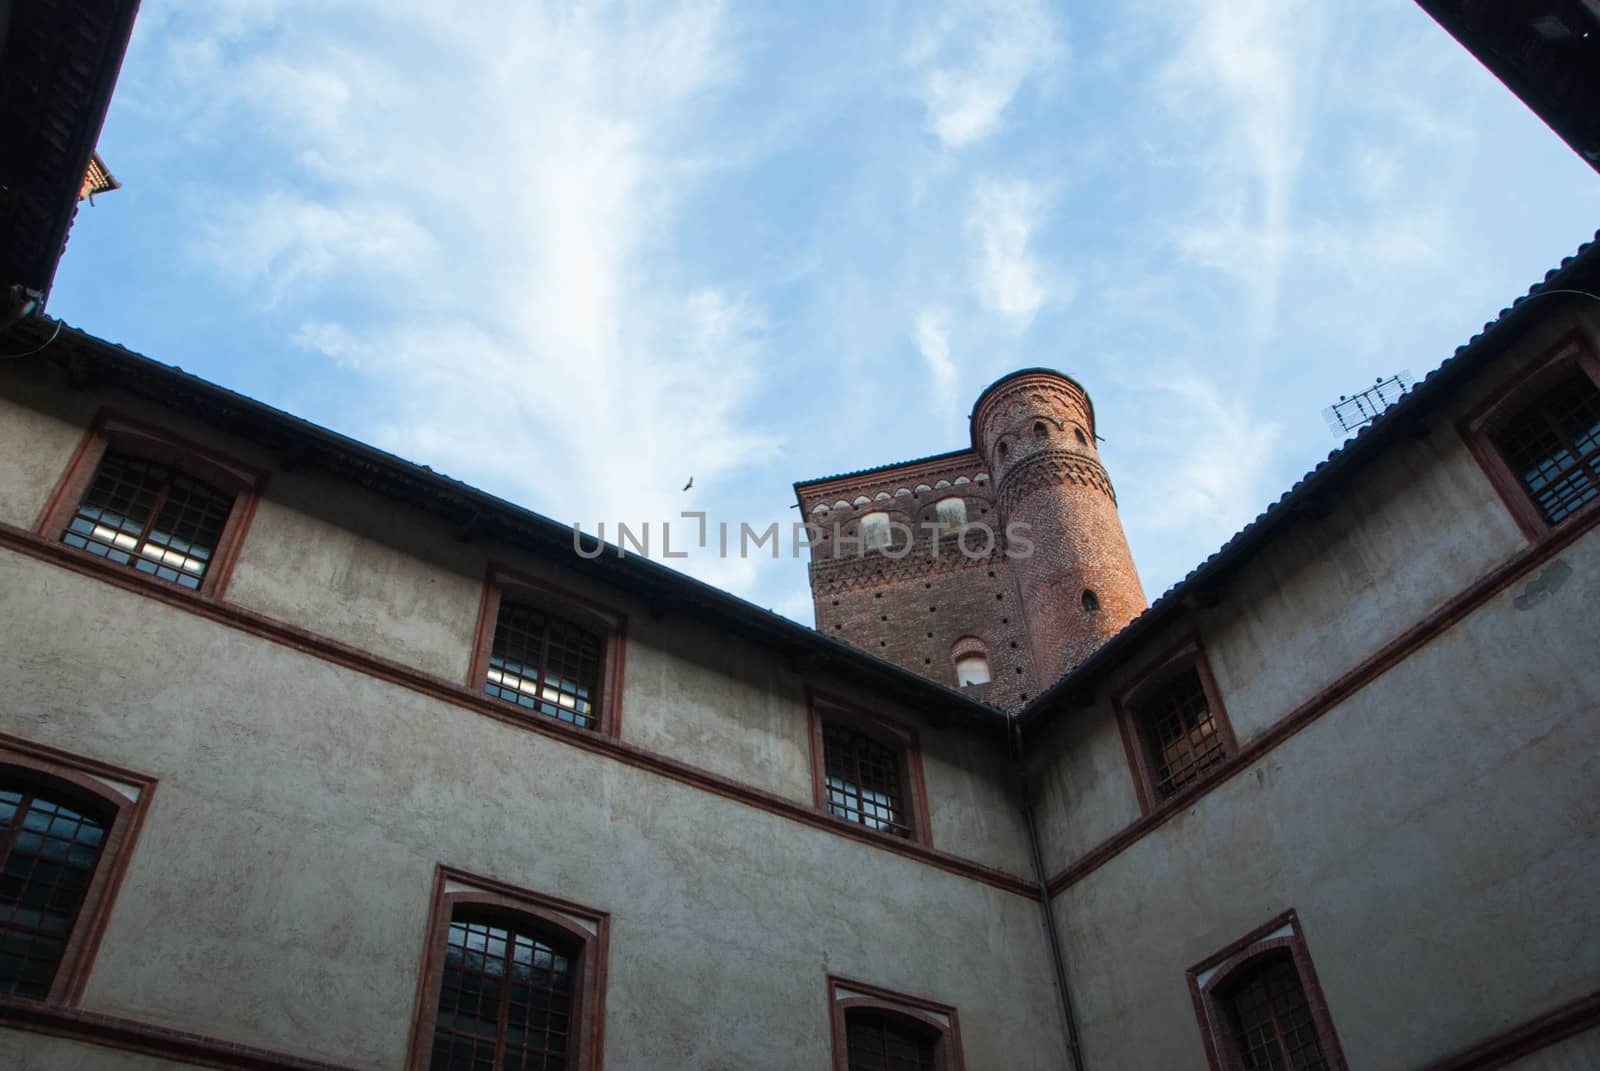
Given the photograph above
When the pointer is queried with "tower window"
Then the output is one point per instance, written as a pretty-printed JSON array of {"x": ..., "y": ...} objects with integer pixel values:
[
  {"x": 1175, "y": 726},
  {"x": 875, "y": 530},
  {"x": 1003, "y": 451},
  {"x": 1091, "y": 601},
  {"x": 952, "y": 514},
  {"x": 1040, "y": 431},
  {"x": 972, "y": 669},
  {"x": 1082, "y": 439}
]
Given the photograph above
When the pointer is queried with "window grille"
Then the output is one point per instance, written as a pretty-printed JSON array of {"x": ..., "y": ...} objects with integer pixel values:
[
  {"x": 1272, "y": 1022},
  {"x": 877, "y": 1042},
  {"x": 546, "y": 664},
  {"x": 864, "y": 780},
  {"x": 1180, "y": 732},
  {"x": 1553, "y": 447},
  {"x": 150, "y": 518},
  {"x": 505, "y": 1001},
  {"x": 48, "y": 853}
]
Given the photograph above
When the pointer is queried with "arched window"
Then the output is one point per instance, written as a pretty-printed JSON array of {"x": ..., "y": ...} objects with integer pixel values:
[
  {"x": 1260, "y": 1005},
  {"x": 971, "y": 656},
  {"x": 1091, "y": 601},
  {"x": 1082, "y": 439},
  {"x": 952, "y": 514},
  {"x": 505, "y": 997},
  {"x": 62, "y": 826},
  {"x": 875, "y": 530},
  {"x": 49, "y": 850},
  {"x": 512, "y": 979},
  {"x": 1040, "y": 431},
  {"x": 878, "y": 1030},
  {"x": 881, "y": 1041},
  {"x": 1175, "y": 726},
  {"x": 1003, "y": 451}
]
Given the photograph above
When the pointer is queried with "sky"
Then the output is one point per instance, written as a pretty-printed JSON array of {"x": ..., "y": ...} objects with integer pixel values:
[{"x": 576, "y": 254}]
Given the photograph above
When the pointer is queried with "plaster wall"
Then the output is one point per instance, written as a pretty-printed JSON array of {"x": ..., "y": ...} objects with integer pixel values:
[
  {"x": 1436, "y": 834},
  {"x": 1578, "y": 1053},
  {"x": 1415, "y": 528},
  {"x": 24, "y": 1051},
  {"x": 286, "y": 865},
  {"x": 342, "y": 563}
]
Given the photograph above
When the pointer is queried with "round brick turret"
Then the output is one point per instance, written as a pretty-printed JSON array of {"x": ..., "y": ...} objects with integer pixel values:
[{"x": 1035, "y": 429}]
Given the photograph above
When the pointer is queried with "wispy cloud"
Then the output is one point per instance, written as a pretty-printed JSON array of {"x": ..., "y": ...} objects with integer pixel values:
[
  {"x": 507, "y": 291},
  {"x": 932, "y": 333},
  {"x": 972, "y": 57},
  {"x": 1007, "y": 276}
]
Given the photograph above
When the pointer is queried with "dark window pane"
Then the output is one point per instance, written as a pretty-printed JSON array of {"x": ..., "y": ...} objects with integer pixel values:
[
  {"x": 877, "y": 1042},
  {"x": 505, "y": 1000},
  {"x": 1553, "y": 446},
  {"x": 48, "y": 852},
  {"x": 1180, "y": 732},
  {"x": 546, "y": 664},
  {"x": 1272, "y": 1023},
  {"x": 863, "y": 780},
  {"x": 144, "y": 515}
]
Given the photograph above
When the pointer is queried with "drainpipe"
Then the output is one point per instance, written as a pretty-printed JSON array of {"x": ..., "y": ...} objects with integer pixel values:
[{"x": 1014, "y": 742}]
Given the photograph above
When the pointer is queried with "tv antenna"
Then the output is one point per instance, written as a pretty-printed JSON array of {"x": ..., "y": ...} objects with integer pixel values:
[{"x": 1353, "y": 412}]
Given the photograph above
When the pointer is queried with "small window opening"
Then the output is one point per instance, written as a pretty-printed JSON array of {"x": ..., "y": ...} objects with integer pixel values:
[
  {"x": 1091, "y": 601},
  {"x": 1040, "y": 431},
  {"x": 875, "y": 530},
  {"x": 972, "y": 669},
  {"x": 1082, "y": 440},
  {"x": 952, "y": 514}
]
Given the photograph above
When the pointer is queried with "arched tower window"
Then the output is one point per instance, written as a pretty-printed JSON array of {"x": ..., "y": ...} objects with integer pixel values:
[
  {"x": 875, "y": 530},
  {"x": 952, "y": 514},
  {"x": 1082, "y": 439},
  {"x": 1040, "y": 431},
  {"x": 1003, "y": 451},
  {"x": 971, "y": 657},
  {"x": 1091, "y": 601}
]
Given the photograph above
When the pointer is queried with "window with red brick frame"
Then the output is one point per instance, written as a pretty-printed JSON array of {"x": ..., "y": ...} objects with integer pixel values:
[
  {"x": 154, "y": 504},
  {"x": 1538, "y": 439},
  {"x": 549, "y": 653},
  {"x": 867, "y": 770},
  {"x": 876, "y": 1029},
  {"x": 67, "y": 827},
  {"x": 1175, "y": 729},
  {"x": 510, "y": 978},
  {"x": 1260, "y": 1005}
]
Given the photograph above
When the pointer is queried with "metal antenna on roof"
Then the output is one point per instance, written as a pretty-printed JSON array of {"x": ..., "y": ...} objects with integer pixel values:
[{"x": 1354, "y": 411}]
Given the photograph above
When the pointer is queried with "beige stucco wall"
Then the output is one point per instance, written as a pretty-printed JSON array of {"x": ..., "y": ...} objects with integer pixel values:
[
  {"x": 21, "y": 1050},
  {"x": 1415, "y": 528},
  {"x": 287, "y": 861},
  {"x": 1578, "y": 1053},
  {"x": 1436, "y": 833}
]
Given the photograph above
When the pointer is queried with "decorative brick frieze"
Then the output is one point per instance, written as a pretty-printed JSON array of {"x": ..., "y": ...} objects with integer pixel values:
[{"x": 1052, "y": 468}]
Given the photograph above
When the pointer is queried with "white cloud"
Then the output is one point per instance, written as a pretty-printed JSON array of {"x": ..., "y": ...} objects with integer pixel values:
[
  {"x": 1244, "y": 78},
  {"x": 1006, "y": 276},
  {"x": 932, "y": 333},
  {"x": 493, "y": 198},
  {"x": 973, "y": 57}
]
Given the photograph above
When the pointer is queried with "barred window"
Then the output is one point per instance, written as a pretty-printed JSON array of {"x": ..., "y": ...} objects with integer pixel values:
[
  {"x": 1553, "y": 447},
  {"x": 545, "y": 663},
  {"x": 1271, "y": 1019},
  {"x": 863, "y": 780},
  {"x": 505, "y": 999},
  {"x": 1180, "y": 733},
  {"x": 878, "y": 1041},
  {"x": 151, "y": 518},
  {"x": 48, "y": 854}
]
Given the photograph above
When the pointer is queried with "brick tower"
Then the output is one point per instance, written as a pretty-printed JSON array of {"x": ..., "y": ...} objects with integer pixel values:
[
  {"x": 1035, "y": 429},
  {"x": 912, "y": 561}
]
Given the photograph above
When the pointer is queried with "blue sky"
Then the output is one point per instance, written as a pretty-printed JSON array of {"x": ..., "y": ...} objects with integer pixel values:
[{"x": 577, "y": 254}]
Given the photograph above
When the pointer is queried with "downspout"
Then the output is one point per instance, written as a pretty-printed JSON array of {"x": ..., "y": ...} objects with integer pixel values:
[{"x": 1014, "y": 745}]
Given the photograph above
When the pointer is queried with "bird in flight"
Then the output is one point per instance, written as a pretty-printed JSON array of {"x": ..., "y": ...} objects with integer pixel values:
[{"x": 689, "y": 484}]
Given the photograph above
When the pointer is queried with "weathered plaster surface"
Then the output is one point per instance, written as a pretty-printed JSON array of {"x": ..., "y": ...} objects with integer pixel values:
[
  {"x": 302, "y": 808},
  {"x": 1436, "y": 834}
]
